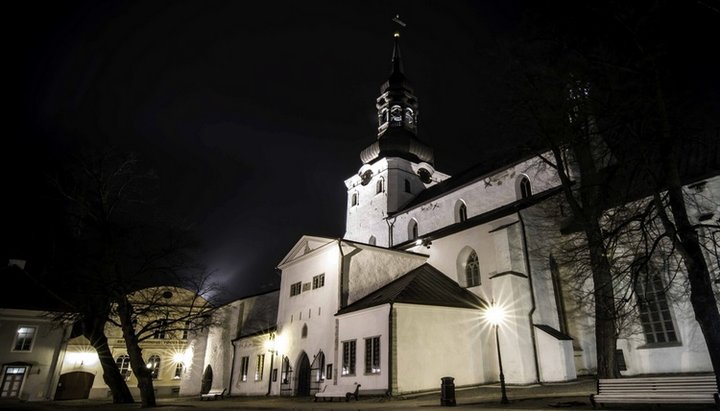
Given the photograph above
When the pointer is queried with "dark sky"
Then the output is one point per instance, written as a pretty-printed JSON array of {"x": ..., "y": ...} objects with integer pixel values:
[{"x": 251, "y": 113}]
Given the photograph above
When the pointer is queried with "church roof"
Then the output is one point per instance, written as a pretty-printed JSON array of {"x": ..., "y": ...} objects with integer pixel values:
[{"x": 425, "y": 285}]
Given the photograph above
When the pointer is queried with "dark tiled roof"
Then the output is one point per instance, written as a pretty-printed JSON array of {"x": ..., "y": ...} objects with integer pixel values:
[{"x": 425, "y": 285}]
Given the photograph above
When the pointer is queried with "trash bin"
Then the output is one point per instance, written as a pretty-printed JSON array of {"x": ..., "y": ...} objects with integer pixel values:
[{"x": 447, "y": 392}]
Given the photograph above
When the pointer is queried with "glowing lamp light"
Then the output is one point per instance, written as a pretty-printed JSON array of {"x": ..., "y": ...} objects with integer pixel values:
[
  {"x": 179, "y": 357},
  {"x": 495, "y": 315},
  {"x": 270, "y": 345}
]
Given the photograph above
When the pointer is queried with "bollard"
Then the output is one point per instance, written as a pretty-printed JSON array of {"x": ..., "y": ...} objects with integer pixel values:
[{"x": 447, "y": 392}]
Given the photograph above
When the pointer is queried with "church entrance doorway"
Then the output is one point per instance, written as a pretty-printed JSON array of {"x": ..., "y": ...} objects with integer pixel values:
[{"x": 303, "y": 376}]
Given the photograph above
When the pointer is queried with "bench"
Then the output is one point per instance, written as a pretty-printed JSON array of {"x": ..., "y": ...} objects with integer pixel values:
[
  {"x": 339, "y": 391},
  {"x": 213, "y": 394},
  {"x": 690, "y": 389}
]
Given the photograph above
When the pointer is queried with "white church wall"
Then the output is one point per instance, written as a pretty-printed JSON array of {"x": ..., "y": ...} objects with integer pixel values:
[
  {"x": 359, "y": 326},
  {"x": 454, "y": 343},
  {"x": 512, "y": 293},
  {"x": 448, "y": 254},
  {"x": 252, "y": 382},
  {"x": 372, "y": 267},
  {"x": 557, "y": 362},
  {"x": 313, "y": 308},
  {"x": 480, "y": 196}
]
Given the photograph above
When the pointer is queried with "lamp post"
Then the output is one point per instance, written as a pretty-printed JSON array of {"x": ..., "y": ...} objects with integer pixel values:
[
  {"x": 496, "y": 315},
  {"x": 270, "y": 345}
]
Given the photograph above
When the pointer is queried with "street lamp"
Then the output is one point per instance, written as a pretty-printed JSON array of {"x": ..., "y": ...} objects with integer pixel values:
[
  {"x": 271, "y": 346},
  {"x": 495, "y": 315}
]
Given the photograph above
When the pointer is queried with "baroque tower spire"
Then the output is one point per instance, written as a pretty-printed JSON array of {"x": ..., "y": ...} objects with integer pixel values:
[{"x": 397, "y": 111}]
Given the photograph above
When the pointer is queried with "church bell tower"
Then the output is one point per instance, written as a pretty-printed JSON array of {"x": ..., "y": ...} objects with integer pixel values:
[{"x": 397, "y": 166}]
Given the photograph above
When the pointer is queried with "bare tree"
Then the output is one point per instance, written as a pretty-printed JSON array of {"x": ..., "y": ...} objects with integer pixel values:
[{"x": 118, "y": 243}]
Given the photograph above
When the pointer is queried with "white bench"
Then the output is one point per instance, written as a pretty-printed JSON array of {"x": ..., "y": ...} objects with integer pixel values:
[
  {"x": 339, "y": 391},
  {"x": 213, "y": 394},
  {"x": 690, "y": 389}
]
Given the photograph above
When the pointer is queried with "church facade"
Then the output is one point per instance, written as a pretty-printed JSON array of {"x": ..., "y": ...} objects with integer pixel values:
[{"x": 400, "y": 301}]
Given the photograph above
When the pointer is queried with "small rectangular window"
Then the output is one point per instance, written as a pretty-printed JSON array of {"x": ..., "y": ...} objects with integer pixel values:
[
  {"x": 295, "y": 289},
  {"x": 260, "y": 367},
  {"x": 318, "y": 281},
  {"x": 244, "y": 368},
  {"x": 328, "y": 371},
  {"x": 24, "y": 338},
  {"x": 349, "y": 355},
  {"x": 372, "y": 355}
]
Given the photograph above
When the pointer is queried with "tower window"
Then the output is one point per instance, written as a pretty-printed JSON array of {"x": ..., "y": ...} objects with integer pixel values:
[
  {"x": 407, "y": 186},
  {"x": 472, "y": 270},
  {"x": 525, "y": 188},
  {"x": 409, "y": 117},
  {"x": 354, "y": 200},
  {"x": 380, "y": 186},
  {"x": 372, "y": 240},
  {"x": 303, "y": 333},
  {"x": 396, "y": 115}
]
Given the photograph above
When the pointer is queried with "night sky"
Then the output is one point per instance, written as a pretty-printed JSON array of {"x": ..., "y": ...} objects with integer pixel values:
[{"x": 251, "y": 113}]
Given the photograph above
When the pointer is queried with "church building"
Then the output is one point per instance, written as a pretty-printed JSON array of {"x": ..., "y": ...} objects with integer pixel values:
[{"x": 400, "y": 301}]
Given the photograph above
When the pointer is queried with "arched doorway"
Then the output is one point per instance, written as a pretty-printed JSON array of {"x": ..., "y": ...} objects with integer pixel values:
[
  {"x": 303, "y": 376},
  {"x": 74, "y": 386}
]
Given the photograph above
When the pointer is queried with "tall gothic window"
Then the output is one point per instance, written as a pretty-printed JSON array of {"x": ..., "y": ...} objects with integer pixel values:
[
  {"x": 653, "y": 305},
  {"x": 354, "y": 200},
  {"x": 472, "y": 270},
  {"x": 559, "y": 300}
]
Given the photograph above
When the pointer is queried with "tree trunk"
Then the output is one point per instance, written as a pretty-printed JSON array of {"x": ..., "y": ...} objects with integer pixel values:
[
  {"x": 143, "y": 375},
  {"x": 111, "y": 374}
]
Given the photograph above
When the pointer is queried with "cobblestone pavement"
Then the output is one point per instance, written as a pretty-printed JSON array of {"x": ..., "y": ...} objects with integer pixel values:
[{"x": 572, "y": 395}]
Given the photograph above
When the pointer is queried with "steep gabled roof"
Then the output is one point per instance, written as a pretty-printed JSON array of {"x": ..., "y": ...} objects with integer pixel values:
[{"x": 425, "y": 285}]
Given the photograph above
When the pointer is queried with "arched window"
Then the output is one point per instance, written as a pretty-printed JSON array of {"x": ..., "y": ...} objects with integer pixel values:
[
  {"x": 372, "y": 240},
  {"x": 380, "y": 186},
  {"x": 409, "y": 117},
  {"x": 285, "y": 371},
  {"x": 524, "y": 188},
  {"x": 460, "y": 212},
  {"x": 123, "y": 364},
  {"x": 354, "y": 200},
  {"x": 304, "y": 331},
  {"x": 396, "y": 113},
  {"x": 657, "y": 323},
  {"x": 178, "y": 371},
  {"x": 472, "y": 270},
  {"x": 407, "y": 186},
  {"x": 318, "y": 367},
  {"x": 412, "y": 230},
  {"x": 153, "y": 365}
]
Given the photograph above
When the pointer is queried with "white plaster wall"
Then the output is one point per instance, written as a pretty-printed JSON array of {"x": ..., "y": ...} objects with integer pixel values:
[
  {"x": 435, "y": 342},
  {"x": 556, "y": 361},
  {"x": 368, "y": 217},
  {"x": 251, "y": 347},
  {"x": 445, "y": 254},
  {"x": 480, "y": 196},
  {"x": 314, "y": 308},
  {"x": 371, "y": 268},
  {"x": 358, "y": 326}
]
